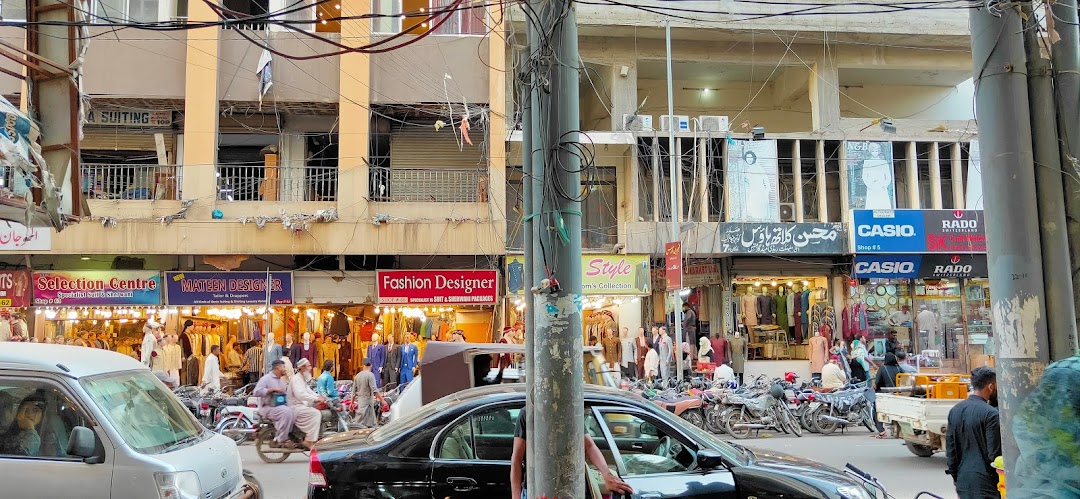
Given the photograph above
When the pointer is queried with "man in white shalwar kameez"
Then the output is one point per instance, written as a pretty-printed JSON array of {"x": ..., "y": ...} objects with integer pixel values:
[{"x": 302, "y": 398}]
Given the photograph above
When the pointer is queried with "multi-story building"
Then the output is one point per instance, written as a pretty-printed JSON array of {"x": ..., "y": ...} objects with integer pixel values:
[{"x": 355, "y": 161}]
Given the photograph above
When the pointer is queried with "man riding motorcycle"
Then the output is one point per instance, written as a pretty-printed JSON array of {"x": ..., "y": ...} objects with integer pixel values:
[
  {"x": 271, "y": 390},
  {"x": 302, "y": 399}
]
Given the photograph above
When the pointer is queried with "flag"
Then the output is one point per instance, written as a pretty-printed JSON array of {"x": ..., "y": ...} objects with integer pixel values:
[{"x": 265, "y": 74}]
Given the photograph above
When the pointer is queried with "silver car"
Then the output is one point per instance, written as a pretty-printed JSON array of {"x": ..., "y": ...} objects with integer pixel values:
[{"x": 83, "y": 422}]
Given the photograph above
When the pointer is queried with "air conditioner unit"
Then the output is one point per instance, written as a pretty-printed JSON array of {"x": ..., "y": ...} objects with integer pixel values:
[
  {"x": 637, "y": 122},
  {"x": 787, "y": 212},
  {"x": 683, "y": 123},
  {"x": 713, "y": 123}
]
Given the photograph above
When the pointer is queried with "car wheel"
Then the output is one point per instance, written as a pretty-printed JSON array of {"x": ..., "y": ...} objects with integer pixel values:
[
  {"x": 920, "y": 449},
  {"x": 694, "y": 417}
]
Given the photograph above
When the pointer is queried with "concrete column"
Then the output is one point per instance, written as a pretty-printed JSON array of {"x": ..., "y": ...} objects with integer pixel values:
[
  {"x": 655, "y": 178},
  {"x": 632, "y": 187},
  {"x": 822, "y": 187},
  {"x": 825, "y": 95},
  {"x": 497, "y": 145},
  {"x": 624, "y": 98},
  {"x": 913, "y": 176},
  {"x": 796, "y": 172},
  {"x": 201, "y": 112},
  {"x": 354, "y": 101},
  {"x": 703, "y": 180},
  {"x": 935, "y": 177},
  {"x": 292, "y": 161},
  {"x": 845, "y": 196},
  {"x": 956, "y": 163}
]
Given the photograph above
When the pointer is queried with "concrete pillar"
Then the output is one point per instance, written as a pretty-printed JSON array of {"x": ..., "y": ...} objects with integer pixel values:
[
  {"x": 497, "y": 146},
  {"x": 825, "y": 96},
  {"x": 291, "y": 173},
  {"x": 624, "y": 99},
  {"x": 796, "y": 172},
  {"x": 956, "y": 164},
  {"x": 354, "y": 101},
  {"x": 845, "y": 196},
  {"x": 913, "y": 176},
  {"x": 201, "y": 111},
  {"x": 822, "y": 187},
  {"x": 935, "y": 177}
]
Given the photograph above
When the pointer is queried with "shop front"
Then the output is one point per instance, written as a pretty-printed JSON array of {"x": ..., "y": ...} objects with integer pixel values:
[
  {"x": 923, "y": 274},
  {"x": 613, "y": 288},
  {"x": 15, "y": 300},
  {"x": 102, "y": 308},
  {"x": 338, "y": 308}
]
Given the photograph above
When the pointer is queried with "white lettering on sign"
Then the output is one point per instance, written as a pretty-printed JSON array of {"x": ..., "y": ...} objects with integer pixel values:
[
  {"x": 884, "y": 267},
  {"x": 130, "y": 118},
  {"x": 959, "y": 224},
  {"x": 952, "y": 269},
  {"x": 440, "y": 282},
  {"x": 611, "y": 270},
  {"x": 887, "y": 230}
]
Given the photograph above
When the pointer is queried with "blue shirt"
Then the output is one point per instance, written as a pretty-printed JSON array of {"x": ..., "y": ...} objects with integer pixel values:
[{"x": 325, "y": 385}]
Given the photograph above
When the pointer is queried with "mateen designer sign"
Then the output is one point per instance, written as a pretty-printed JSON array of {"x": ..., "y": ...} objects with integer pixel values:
[{"x": 437, "y": 287}]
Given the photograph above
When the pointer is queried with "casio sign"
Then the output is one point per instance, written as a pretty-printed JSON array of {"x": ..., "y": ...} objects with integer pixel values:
[
  {"x": 884, "y": 268},
  {"x": 886, "y": 230}
]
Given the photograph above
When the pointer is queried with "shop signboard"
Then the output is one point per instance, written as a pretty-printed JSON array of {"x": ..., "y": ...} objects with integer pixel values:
[
  {"x": 696, "y": 273},
  {"x": 919, "y": 231},
  {"x": 626, "y": 275},
  {"x": 130, "y": 118},
  {"x": 782, "y": 238},
  {"x": 938, "y": 266},
  {"x": 15, "y": 288},
  {"x": 97, "y": 288},
  {"x": 673, "y": 265},
  {"x": 228, "y": 288},
  {"x": 437, "y": 287},
  {"x": 15, "y": 236}
]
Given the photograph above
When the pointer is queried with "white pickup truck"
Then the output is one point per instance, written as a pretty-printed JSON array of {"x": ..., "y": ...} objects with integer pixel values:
[{"x": 919, "y": 421}]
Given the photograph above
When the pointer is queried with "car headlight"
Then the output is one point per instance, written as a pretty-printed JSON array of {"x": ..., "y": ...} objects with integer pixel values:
[
  {"x": 178, "y": 485},
  {"x": 853, "y": 492}
]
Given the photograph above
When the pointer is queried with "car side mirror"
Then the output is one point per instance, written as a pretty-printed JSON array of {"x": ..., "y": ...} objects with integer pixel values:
[
  {"x": 83, "y": 443},
  {"x": 708, "y": 459},
  {"x": 649, "y": 430}
]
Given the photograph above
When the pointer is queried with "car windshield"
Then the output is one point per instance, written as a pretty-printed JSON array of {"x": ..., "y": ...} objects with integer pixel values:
[
  {"x": 398, "y": 426},
  {"x": 149, "y": 418}
]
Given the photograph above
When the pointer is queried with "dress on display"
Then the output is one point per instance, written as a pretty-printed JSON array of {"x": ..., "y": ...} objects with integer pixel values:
[
  {"x": 797, "y": 301},
  {"x": 749, "y": 310},
  {"x": 792, "y": 313},
  {"x": 780, "y": 306},
  {"x": 819, "y": 352},
  {"x": 738, "y": 353},
  {"x": 310, "y": 352},
  {"x": 391, "y": 372},
  {"x": 409, "y": 358},
  {"x": 765, "y": 308},
  {"x": 377, "y": 354},
  {"x": 293, "y": 351}
]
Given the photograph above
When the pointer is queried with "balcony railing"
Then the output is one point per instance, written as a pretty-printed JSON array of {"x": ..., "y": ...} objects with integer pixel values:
[
  {"x": 438, "y": 185},
  {"x": 126, "y": 181},
  {"x": 277, "y": 183}
]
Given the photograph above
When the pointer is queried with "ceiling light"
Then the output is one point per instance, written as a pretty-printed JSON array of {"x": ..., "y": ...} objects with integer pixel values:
[{"x": 84, "y": 258}]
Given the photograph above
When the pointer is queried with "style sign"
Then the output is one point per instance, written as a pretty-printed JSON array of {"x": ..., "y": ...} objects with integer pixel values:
[
  {"x": 228, "y": 288},
  {"x": 956, "y": 266},
  {"x": 15, "y": 288},
  {"x": 782, "y": 238},
  {"x": 673, "y": 265},
  {"x": 437, "y": 287},
  {"x": 15, "y": 236},
  {"x": 97, "y": 287},
  {"x": 919, "y": 231},
  {"x": 600, "y": 275}
]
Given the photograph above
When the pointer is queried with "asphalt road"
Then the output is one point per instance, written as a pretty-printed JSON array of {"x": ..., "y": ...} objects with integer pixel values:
[{"x": 903, "y": 474}]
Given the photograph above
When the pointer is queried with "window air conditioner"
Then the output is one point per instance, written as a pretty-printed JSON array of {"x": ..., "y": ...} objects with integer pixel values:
[
  {"x": 637, "y": 123},
  {"x": 787, "y": 212},
  {"x": 683, "y": 123},
  {"x": 713, "y": 123}
]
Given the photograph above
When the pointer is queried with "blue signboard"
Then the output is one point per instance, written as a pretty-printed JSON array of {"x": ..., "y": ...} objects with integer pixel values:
[
  {"x": 889, "y": 231},
  {"x": 228, "y": 288},
  {"x": 919, "y": 266}
]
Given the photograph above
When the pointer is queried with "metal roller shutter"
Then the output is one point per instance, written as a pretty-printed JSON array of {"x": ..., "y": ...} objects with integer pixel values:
[
  {"x": 125, "y": 140},
  {"x": 424, "y": 148},
  {"x": 256, "y": 123},
  {"x": 766, "y": 266}
]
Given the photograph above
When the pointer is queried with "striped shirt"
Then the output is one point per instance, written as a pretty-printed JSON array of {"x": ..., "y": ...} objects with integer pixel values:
[{"x": 253, "y": 359}]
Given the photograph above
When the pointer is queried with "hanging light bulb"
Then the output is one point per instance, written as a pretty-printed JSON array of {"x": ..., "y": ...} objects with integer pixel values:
[
  {"x": 72, "y": 314},
  {"x": 50, "y": 314},
  {"x": 37, "y": 312},
  {"x": 774, "y": 284},
  {"x": 806, "y": 283},
  {"x": 757, "y": 284}
]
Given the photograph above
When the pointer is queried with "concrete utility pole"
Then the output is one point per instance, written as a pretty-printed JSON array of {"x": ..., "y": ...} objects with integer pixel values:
[
  {"x": 531, "y": 201},
  {"x": 1061, "y": 312},
  {"x": 1016, "y": 272},
  {"x": 1065, "y": 54},
  {"x": 558, "y": 419},
  {"x": 676, "y": 206}
]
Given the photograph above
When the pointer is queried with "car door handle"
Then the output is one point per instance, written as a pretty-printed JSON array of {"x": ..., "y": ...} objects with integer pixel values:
[
  {"x": 461, "y": 484},
  {"x": 637, "y": 445},
  {"x": 650, "y": 496}
]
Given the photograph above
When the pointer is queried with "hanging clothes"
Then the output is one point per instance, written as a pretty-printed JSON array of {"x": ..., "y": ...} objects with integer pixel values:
[
  {"x": 805, "y": 310},
  {"x": 780, "y": 306},
  {"x": 410, "y": 357}
]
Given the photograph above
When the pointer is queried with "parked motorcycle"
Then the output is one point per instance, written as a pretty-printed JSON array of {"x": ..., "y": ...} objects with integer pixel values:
[
  {"x": 840, "y": 409},
  {"x": 767, "y": 410}
]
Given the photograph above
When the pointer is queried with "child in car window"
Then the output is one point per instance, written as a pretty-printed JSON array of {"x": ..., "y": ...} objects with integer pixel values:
[{"x": 22, "y": 438}]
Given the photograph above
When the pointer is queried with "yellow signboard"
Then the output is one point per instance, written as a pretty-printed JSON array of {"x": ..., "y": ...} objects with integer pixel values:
[{"x": 625, "y": 275}]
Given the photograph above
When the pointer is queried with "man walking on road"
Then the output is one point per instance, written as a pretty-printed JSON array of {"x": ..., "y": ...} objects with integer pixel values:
[
  {"x": 364, "y": 389},
  {"x": 972, "y": 439}
]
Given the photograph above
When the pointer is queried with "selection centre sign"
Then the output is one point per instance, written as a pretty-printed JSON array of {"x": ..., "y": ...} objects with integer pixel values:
[
  {"x": 437, "y": 287},
  {"x": 919, "y": 231},
  {"x": 228, "y": 288},
  {"x": 97, "y": 287}
]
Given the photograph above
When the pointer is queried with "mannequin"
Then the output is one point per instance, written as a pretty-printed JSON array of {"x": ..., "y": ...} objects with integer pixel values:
[
  {"x": 928, "y": 322},
  {"x": 376, "y": 352},
  {"x": 749, "y": 308},
  {"x": 641, "y": 350},
  {"x": 704, "y": 350},
  {"x": 780, "y": 310},
  {"x": 797, "y": 311},
  {"x": 308, "y": 350},
  {"x": 409, "y": 358},
  {"x": 738, "y": 354},
  {"x": 292, "y": 349},
  {"x": 819, "y": 353},
  {"x": 765, "y": 308},
  {"x": 392, "y": 370}
]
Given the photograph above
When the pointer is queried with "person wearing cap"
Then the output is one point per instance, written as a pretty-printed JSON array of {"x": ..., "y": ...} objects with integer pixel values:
[
  {"x": 905, "y": 367},
  {"x": 151, "y": 338},
  {"x": 832, "y": 375},
  {"x": 212, "y": 369},
  {"x": 283, "y": 416},
  {"x": 23, "y": 437},
  {"x": 363, "y": 396},
  {"x": 458, "y": 336},
  {"x": 302, "y": 399}
]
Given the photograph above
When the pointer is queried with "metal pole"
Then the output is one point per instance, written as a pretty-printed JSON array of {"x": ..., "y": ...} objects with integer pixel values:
[
  {"x": 559, "y": 428},
  {"x": 529, "y": 208},
  {"x": 1060, "y": 311},
  {"x": 676, "y": 207},
  {"x": 1016, "y": 271},
  {"x": 1065, "y": 54}
]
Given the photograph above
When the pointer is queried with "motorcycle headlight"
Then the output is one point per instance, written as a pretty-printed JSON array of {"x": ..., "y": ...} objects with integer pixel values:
[
  {"x": 178, "y": 485},
  {"x": 853, "y": 492}
]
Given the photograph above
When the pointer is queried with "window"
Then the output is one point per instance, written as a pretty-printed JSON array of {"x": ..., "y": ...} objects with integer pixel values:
[
  {"x": 145, "y": 11},
  {"x": 487, "y": 435},
  {"x": 599, "y": 223},
  {"x": 13, "y": 10},
  {"x": 36, "y": 419},
  {"x": 396, "y": 15},
  {"x": 147, "y": 417},
  {"x": 647, "y": 448}
]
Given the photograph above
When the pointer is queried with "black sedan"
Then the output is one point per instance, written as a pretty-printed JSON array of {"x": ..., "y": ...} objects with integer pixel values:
[{"x": 459, "y": 447}]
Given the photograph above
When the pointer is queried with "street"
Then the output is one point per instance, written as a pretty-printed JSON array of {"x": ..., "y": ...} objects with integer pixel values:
[{"x": 903, "y": 474}]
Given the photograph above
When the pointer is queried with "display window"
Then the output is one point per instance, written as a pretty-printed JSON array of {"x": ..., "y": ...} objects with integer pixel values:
[
  {"x": 780, "y": 314},
  {"x": 878, "y": 306}
]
